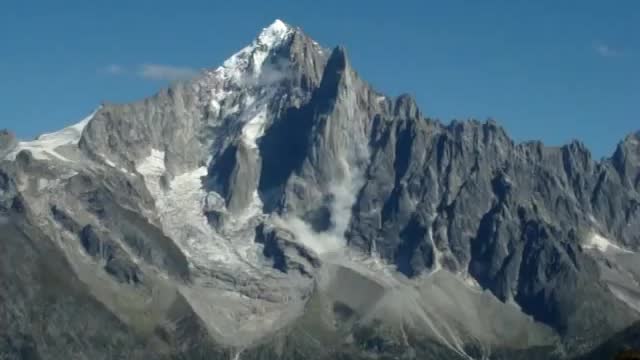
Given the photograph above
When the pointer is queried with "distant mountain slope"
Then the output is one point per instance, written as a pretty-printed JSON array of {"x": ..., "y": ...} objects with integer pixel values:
[{"x": 624, "y": 343}]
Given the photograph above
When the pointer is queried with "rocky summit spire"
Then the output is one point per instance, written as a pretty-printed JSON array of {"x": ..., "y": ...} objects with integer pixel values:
[
  {"x": 626, "y": 159},
  {"x": 7, "y": 142}
]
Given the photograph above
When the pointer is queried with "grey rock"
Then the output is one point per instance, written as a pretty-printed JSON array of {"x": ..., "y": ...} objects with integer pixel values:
[
  {"x": 626, "y": 341},
  {"x": 287, "y": 255},
  {"x": 237, "y": 175},
  {"x": 169, "y": 122},
  {"x": 626, "y": 159},
  {"x": 67, "y": 222},
  {"x": 117, "y": 263},
  {"x": 7, "y": 142}
]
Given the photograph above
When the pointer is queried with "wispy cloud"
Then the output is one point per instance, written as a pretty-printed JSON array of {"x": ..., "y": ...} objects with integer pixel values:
[
  {"x": 165, "y": 72},
  {"x": 113, "y": 69},
  {"x": 151, "y": 71},
  {"x": 606, "y": 50}
]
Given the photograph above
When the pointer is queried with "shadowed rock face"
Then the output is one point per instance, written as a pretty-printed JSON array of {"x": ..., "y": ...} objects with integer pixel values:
[
  {"x": 7, "y": 142},
  {"x": 280, "y": 207},
  {"x": 624, "y": 345}
]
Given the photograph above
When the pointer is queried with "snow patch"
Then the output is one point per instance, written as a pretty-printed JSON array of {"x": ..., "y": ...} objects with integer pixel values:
[
  {"x": 274, "y": 33},
  {"x": 254, "y": 128},
  {"x": 113, "y": 165},
  {"x": 107, "y": 161},
  {"x": 44, "y": 146},
  {"x": 437, "y": 264},
  {"x": 598, "y": 242},
  {"x": 153, "y": 165},
  {"x": 180, "y": 209},
  {"x": 251, "y": 58},
  {"x": 46, "y": 184}
]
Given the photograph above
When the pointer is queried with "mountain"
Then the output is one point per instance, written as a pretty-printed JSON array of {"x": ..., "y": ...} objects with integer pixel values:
[
  {"x": 621, "y": 346},
  {"x": 279, "y": 207}
]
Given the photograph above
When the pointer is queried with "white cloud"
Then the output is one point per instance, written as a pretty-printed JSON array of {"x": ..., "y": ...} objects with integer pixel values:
[
  {"x": 113, "y": 69},
  {"x": 165, "y": 72},
  {"x": 343, "y": 193},
  {"x": 606, "y": 50}
]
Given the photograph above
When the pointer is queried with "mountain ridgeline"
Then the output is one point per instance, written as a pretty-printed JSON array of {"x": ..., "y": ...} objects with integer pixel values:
[{"x": 279, "y": 207}]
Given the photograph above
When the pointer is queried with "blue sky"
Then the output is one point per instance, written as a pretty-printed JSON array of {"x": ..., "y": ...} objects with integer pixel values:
[{"x": 550, "y": 70}]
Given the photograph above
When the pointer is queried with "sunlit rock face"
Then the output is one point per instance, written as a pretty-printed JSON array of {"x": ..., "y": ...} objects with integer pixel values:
[{"x": 280, "y": 207}]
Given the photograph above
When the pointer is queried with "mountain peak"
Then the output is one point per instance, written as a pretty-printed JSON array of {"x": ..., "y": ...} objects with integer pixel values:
[
  {"x": 252, "y": 57},
  {"x": 630, "y": 143},
  {"x": 274, "y": 33}
]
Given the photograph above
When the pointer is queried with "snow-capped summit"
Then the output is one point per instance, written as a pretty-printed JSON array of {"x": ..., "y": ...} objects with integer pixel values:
[
  {"x": 274, "y": 33},
  {"x": 251, "y": 58}
]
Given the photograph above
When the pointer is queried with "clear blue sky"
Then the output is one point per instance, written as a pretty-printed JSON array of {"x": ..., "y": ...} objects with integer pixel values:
[{"x": 551, "y": 70}]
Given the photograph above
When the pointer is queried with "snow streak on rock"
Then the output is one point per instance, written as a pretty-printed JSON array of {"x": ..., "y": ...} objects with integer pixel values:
[
  {"x": 598, "y": 242},
  {"x": 179, "y": 208}
]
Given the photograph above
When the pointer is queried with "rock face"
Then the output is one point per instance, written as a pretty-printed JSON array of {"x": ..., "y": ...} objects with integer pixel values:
[
  {"x": 280, "y": 207},
  {"x": 7, "y": 142}
]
